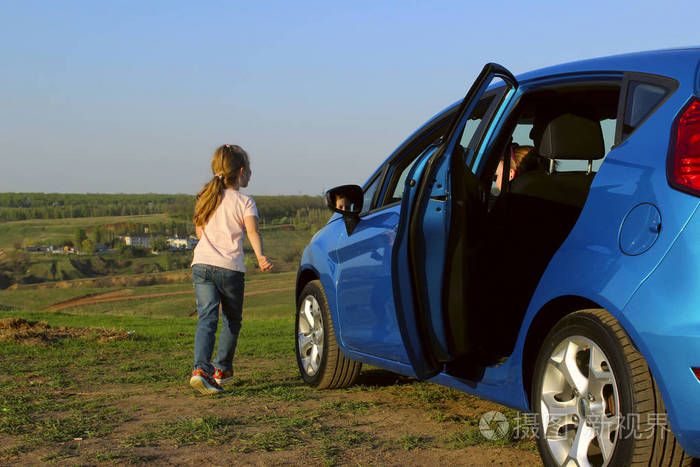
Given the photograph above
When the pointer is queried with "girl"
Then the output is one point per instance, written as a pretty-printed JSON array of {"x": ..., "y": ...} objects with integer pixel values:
[{"x": 222, "y": 216}]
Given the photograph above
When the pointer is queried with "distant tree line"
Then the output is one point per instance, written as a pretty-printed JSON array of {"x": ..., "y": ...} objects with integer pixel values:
[
  {"x": 21, "y": 206},
  {"x": 272, "y": 208},
  {"x": 24, "y": 206}
]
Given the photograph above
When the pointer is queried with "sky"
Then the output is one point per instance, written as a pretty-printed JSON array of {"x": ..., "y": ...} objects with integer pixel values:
[{"x": 134, "y": 96}]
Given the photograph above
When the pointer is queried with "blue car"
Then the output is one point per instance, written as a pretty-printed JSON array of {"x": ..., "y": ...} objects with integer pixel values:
[{"x": 536, "y": 244}]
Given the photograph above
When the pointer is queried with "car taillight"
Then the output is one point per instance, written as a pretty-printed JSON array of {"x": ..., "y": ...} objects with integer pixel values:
[
  {"x": 696, "y": 370},
  {"x": 684, "y": 162}
]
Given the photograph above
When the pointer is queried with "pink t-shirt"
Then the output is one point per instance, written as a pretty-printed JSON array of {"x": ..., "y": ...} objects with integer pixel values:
[{"x": 221, "y": 243}]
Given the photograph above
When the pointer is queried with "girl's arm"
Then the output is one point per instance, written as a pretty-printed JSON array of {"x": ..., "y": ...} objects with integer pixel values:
[{"x": 251, "y": 227}]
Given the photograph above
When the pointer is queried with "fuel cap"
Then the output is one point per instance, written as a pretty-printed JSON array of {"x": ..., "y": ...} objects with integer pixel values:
[{"x": 640, "y": 229}]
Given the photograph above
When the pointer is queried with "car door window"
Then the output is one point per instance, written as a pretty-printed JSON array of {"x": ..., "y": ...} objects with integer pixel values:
[
  {"x": 404, "y": 162},
  {"x": 474, "y": 121},
  {"x": 400, "y": 182},
  {"x": 396, "y": 185},
  {"x": 369, "y": 192},
  {"x": 475, "y": 125}
]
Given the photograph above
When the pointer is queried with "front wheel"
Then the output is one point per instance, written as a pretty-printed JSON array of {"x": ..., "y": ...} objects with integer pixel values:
[
  {"x": 596, "y": 401},
  {"x": 320, "y": 361}
]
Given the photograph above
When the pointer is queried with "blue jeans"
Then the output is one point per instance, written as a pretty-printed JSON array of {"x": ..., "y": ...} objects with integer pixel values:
[{"x": 213, "y": 286}]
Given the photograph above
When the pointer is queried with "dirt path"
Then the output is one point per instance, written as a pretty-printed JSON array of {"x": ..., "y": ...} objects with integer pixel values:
[
  {"x": 125, "y": 295},
  {"x": 87, "y": 299}
]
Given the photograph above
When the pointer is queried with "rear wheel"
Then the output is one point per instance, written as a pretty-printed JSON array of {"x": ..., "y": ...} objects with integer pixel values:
[
  {"x": 320, "y": 361},
  {"x": 596, "y": 401}
]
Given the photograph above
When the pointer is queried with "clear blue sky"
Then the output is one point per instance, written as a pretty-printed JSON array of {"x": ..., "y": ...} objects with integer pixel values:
[{"x": 133, "y": 96}]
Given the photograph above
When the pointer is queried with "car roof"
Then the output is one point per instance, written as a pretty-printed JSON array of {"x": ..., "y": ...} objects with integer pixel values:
[{"x": 678, "y": 63}]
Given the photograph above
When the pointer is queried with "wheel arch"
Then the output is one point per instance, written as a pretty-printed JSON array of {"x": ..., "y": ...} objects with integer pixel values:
[{"x": 304, "y": 276}]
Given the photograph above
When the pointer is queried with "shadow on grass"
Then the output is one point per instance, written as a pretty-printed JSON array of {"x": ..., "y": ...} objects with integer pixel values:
[{"x": 382, "y": 378}]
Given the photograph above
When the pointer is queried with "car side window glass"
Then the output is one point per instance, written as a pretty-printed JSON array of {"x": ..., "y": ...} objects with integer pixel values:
[
  {"x": 607, "y": 126},
  {"x": 369, "y": 192},
  {"x": 404, "y": 163},
  {"x": 521, "y": 134},
  {"x": 642, "y": 98},
  {"x": 401, "y": 181},
  {"x": 475, "y": 121},
  {"x": 598, "y": 100},
  {"x": 396, "y": 188}
]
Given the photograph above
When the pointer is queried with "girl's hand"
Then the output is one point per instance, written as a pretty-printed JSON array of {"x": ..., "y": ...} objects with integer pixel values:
[{"x": 264, "y": 263}]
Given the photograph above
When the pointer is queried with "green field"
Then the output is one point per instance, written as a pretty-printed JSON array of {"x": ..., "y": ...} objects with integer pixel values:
[
  {"x": 46, "y": 231},
  {"x": 283, "y": 245},
  {"x": 175, "y": 306}
]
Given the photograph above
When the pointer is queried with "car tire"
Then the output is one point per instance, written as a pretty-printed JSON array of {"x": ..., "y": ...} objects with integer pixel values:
[
  {"x": 320, "y": 361},
  {"x": 596, "y": 400}
]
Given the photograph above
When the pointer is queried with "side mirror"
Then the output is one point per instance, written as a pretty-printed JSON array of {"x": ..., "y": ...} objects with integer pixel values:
[{"x": 346, "y": 200}]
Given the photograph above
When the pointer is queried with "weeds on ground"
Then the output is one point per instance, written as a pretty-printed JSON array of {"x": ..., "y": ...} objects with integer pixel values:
[
  {"x": 209, "y": 429},
  {"x": 357, "y": 408},
  {"x": 411, "y": 442}
]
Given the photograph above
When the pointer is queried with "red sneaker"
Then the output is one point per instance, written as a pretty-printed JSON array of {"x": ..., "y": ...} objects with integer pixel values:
[
  {"x": 222, "y": 377},
  {"x": 204, "y": 383}
]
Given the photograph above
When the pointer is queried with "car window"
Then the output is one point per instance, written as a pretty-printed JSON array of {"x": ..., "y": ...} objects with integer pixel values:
[
  {"x": 369, "y": 192},
  {"x": 642, "y": 99},
  {"x": 474, "y": 124},
  {"x": 396, "y": 185},
  {"x": 401, "y": 181},
  {"x": 404, "y": 162},
  {"x": 599, "y": 101},
  {"x": 521, "y": 134}
]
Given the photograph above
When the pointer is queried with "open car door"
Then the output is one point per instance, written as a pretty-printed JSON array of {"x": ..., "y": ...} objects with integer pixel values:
[{"x": 439, "y": 234}]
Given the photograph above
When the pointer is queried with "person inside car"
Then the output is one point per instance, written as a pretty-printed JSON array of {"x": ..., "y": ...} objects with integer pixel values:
[{"x": 522, "y": 159}]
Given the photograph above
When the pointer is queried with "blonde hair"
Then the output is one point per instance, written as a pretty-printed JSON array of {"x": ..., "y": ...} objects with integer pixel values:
[
  {"x": 226, "y": 165},
  {"x": 519, "y": 155}
]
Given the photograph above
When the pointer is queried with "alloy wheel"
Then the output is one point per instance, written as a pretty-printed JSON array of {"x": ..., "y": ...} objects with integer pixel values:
[
  {"x": 310, "y": 335},
  {"x": 580, "y": 404}
]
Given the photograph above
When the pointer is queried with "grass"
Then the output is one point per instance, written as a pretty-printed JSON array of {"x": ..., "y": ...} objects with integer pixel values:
[
  {"x": 78, "y": 418},
  {"x": 209, "y": 429},
  {"x": 431, "y": 393},
  {"x": 30, "y": 299},
  {"x": 265, "y": 305},
  {"x": 411, "y": 442},
  {"x": 80, "y": 389},
  {"x": 463, "y": 439},
  {"x": 160, "y": 354},
  {"x": 357, "y": 408}
]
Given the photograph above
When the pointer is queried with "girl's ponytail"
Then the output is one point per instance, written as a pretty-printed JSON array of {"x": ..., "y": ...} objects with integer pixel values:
[{"x": 226, "y": 166}]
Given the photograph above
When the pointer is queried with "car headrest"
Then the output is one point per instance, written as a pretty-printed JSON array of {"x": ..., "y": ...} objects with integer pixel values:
[{"x": 570, "y": 136}]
